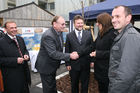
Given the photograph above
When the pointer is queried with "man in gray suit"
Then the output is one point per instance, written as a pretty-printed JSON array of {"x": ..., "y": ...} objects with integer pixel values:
[{"x": 51, "y": 54}]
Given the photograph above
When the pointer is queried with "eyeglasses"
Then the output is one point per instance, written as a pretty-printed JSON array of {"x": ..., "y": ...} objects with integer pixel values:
[{"x": 61, "y": 23}]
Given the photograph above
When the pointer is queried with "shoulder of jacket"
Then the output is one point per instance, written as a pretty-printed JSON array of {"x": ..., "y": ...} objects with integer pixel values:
[
  {"x": 47, "y": 32},
  {"x": 70, "y": 33},
  {"x": 132, "y": 31}
]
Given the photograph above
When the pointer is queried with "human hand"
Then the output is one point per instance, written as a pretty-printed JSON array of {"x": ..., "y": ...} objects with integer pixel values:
[
  {"x": 74, "y": 55},
  {"x": 68, "y": 68},
  {"x": 93, "y": 54},
  {"x": 91, "y": 64},
  {"x": 26, "y": 57},
  {"x": 20, "y": 60}
]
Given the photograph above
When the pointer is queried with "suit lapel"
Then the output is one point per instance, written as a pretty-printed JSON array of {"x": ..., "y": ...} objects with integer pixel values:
[
  {"x": 19, "y": 41},
  {"x": 57, "y": 37},
  {"x": 83, "y": 36},
  {"x": 9, "y": 40},
  {"x": 75, "y": 37}
]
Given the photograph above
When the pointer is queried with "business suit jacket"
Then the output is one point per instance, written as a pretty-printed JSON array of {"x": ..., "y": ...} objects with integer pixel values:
[
  {"x": 51, "y": 53},
  {"x": 1, "y": 33},
  {"x": 84, "y": 49},
  {"x": 16, "y": 76}
]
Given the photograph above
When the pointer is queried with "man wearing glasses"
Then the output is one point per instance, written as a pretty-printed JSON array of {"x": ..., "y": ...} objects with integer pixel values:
[{"x": 51, "y": 54}]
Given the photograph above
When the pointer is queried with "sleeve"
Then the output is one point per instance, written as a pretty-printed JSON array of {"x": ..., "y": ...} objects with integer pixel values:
[
  {"x": 7, "y": 61},
  {"x": 102, "y": 54},
  {"x": 129, "y": 66},
  {"x": 105, "y": 54},
  {"x": 26, "y": 67},
  {"x": 67, "y": 50},
  {"x": 50, "y": 47},
  {"x": 25, "y": 49},
  {"x": 89, "y": 48}
]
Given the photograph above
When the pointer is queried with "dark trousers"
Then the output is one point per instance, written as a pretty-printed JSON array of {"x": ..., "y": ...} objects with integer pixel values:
[
  {"x": 103, "y": 86},
  {"x": 83, "y": 77},
  {"x": 49, "y": 83}
]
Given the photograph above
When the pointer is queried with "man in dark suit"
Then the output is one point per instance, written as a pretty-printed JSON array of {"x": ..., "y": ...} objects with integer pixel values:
[
  {"x": 51, "y": 54},
  {"x": 81, "y": 41},
  {"x": 13, "y": 60}
]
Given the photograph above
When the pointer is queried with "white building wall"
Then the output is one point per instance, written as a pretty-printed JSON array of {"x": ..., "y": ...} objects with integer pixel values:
[
  {"x": 63, "y": 7},
  {"x": 22, "y": 2},
  {"x": 137, "y": 24},
  {"x": 3, "y": 5}
]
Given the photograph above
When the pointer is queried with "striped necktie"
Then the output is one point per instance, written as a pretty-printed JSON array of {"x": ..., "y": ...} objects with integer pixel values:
[{"x": 18, "y": 47}]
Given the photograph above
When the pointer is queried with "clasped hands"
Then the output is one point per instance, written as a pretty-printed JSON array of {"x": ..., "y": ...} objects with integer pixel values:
[
  {"x": 93, "y": 54},
  {"x": 74, "y": 55},
  {"x": 20, "y": 60}
]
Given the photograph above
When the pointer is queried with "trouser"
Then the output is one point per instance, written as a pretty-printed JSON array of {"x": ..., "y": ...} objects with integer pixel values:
[
  {"x": 76, "y": 76},
  {"x": 103, "y": 86},
  {"x": 49, "y": 83}
]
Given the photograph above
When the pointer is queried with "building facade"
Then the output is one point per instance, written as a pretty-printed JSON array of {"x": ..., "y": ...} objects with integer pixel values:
[{"x": 57, "y": 7}]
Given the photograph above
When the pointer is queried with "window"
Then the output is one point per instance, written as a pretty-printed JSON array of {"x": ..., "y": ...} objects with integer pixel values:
[
  {"x": 42, "y": 5},
  {"x": 52, "y": 6}
]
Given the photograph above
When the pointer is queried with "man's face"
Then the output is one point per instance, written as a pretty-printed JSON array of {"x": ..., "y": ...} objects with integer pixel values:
[
  {"x": 60, "y": 25},
  {"x": 79, "y": 23},
  {"x": 11, "y": 29},
  {"x": 119, "y": 18}
]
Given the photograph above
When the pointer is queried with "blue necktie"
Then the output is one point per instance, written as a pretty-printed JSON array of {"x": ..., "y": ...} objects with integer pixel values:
[{"x": 79, "y": 36}]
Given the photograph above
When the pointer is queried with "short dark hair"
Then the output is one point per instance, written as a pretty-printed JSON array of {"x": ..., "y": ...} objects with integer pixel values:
[
  {"x": 5, "y": 25},
  {"x": 55, "y": 19},
  {"x": 78, "y": 17},
  {"x": 127, "y": 10}
]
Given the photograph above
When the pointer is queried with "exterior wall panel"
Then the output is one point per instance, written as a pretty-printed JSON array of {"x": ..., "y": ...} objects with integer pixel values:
[{"x": 28, "y": 16}]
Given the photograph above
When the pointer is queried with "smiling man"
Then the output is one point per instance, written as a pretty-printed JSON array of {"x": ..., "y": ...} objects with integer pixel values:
[
  {"x": 81, "y": 41},
  {"x": 13, "y": 59},
  {"x": 124, "y": 69},
  {"x": 51, "y": 54}
]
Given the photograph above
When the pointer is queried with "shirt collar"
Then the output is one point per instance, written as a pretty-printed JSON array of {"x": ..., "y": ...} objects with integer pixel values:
[
  {"x": 58, "y": 33},
  {"x": 76, "y": 31},
  {"x": 11, "y": 36}
]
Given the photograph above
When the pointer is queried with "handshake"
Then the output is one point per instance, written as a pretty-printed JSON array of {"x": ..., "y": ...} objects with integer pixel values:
[{"x": 74, "y": 55}]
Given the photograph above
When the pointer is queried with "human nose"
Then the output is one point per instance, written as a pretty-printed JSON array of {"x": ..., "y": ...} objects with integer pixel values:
[
  {"x": 113, "y": 19},
  {"x": 14, "y": 28},
  {"x": 64, "y": 25}
]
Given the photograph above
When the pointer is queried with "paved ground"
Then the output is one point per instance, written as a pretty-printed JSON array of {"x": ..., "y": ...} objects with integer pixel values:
[{"x": 36, "y": 79}]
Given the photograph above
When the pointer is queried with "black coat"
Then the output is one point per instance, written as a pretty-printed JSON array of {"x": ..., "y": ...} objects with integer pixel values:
[
  {"x": 103, "y": 45},
  {"x": 16, "y": 76},
  {"x": 1, "y": 33}
]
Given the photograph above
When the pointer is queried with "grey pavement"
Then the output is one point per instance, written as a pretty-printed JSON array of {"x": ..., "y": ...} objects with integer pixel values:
[{"x": 36, "y": 79}]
